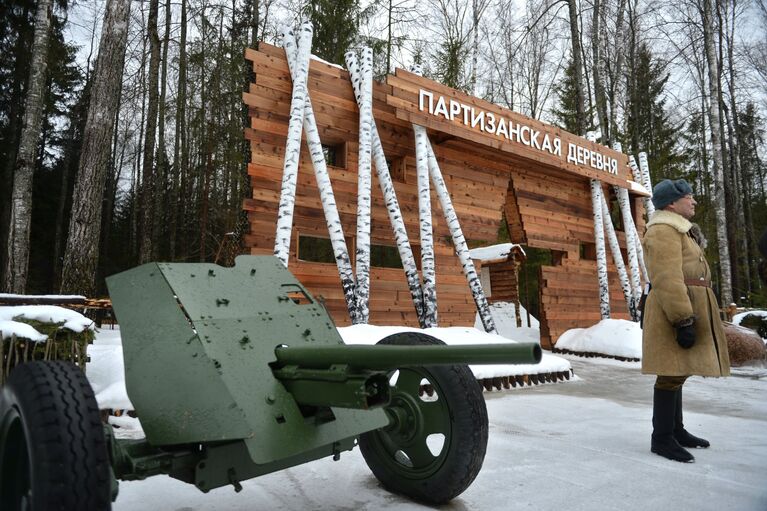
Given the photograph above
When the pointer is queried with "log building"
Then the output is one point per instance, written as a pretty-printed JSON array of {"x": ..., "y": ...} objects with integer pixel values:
[{"x": 496, "y": 163}]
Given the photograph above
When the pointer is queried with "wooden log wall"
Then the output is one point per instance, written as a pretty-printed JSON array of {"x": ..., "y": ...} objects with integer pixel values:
[
  {"x": 544, "y": 206},
  {"x": 553, "y": 211},
  {"x": 473, "y": 179}
]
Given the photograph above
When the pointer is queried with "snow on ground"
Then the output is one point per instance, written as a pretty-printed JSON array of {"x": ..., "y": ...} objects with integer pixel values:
[
  {"x": 505, "y": 319},
  {"x": 584, "y": 446}
]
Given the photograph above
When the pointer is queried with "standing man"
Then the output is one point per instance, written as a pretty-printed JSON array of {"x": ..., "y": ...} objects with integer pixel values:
[{"x": 683, "y": 333}]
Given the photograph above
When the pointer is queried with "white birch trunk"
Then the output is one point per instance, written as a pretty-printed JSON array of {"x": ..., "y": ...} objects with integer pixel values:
[
  {"x": 459, "y": 242},
  {"x": 599, "y": 241},
  {"x": 615, "y": 249},
  {"x": 293, "y": 143},
  {"x": 424, "y": 215},
  {"x": 390, "y": 199},
  {"x": 325, "y": 187},
  {"x": 21, "y": 195},
  {"x": 716, "y": 152},
  {"x": 362, "y": 261}
]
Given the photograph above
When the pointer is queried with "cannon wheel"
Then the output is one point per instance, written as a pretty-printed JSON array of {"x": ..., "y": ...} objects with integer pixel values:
[
  {"x": 449, "y": 407},
  {"x": 52, "y": 449}
]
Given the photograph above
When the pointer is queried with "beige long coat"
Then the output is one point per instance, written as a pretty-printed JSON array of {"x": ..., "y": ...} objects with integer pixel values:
[{"x": 671, "y": 256}]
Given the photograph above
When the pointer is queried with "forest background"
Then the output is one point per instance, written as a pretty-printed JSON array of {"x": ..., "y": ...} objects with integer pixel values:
[{"x": 121, "y": 121}]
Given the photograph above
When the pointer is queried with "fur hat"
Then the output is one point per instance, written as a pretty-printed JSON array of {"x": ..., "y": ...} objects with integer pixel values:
[{"x": 668, "y": 191}]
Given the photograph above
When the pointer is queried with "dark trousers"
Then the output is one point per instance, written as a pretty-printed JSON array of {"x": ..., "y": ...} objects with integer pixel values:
[{"x": 670, "y": 382}]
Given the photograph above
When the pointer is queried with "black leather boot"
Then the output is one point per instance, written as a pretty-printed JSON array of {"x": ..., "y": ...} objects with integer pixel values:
[
  {"x": 663, "y": 442},
  {"x": 682, "y": 436}
]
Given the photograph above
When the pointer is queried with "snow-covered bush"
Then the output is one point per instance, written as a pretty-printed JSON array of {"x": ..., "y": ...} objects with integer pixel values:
[{"x": 42, "y": 332}]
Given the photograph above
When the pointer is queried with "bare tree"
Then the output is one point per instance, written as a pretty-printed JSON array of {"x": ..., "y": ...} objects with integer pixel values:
[
  {"x": 146, "y": 245},
  {"x": 82, "y": 251},
  {"x": 17, "y": 258}
]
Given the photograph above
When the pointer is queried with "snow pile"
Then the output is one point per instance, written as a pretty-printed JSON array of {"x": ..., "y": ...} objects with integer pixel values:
[
  {"x": 504, "y": 315},
  {"x": 737, "y": 318},
  {"x": 69, "y": 319},
  {"x": 611, "y": 337},
  {"x": 457, "y": 335}
]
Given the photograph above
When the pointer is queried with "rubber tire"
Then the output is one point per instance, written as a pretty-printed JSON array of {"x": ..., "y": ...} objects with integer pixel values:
[
  {"x": 53, "y": 454},
  {"x": 469, "y": 432}
]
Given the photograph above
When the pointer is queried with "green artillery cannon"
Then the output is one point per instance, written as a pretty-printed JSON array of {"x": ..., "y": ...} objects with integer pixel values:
[{"x": 239, "y": 372}]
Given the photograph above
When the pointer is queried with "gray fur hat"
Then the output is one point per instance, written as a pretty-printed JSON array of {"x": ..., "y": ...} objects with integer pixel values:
[{"x": 668, "y": 191}]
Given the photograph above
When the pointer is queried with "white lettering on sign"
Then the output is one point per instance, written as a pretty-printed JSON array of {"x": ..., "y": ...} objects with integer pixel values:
[
  {"x": 583, "y": 156},
  {"x": 488, "y": 122}
]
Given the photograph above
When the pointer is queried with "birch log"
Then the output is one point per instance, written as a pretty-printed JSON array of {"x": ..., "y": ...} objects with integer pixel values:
[
  {"x": 424, "y": 215},
  {"x": 325, "y": 187},
  {"x": 644, "y": 169},
  {"x": 459, "y": 242},
  {"x": 362, "y": 261},
  {"x": 390, "y": 198},
  {"x": 633, "y": 248},
  {"x": 615, "y": 249},
  {"x": 636, "y": 171},
  {"x": 629, "y": 229},
  {"x": 599, "y": 241},
  {"x": 293, "y": 143},
  {"x": 648, "y": 207}
]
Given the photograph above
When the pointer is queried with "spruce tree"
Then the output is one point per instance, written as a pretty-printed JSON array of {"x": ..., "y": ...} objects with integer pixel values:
[
  {"x": 649, "y": 127},
  {"x": 565, "y": 113},
  {"x": 336, "y": 27}
]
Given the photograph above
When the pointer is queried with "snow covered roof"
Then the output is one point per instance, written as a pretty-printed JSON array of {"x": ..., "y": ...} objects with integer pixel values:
[
  {"x": 497, "y": 253},
  {"x": 638, "y": 188}
]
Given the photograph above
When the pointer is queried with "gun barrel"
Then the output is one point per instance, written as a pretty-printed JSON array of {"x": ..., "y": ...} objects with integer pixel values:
[{"x": 390, "y": 357}]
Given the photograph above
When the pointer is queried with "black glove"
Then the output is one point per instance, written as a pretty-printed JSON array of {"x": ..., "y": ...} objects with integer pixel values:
[{"x": 685, "y": 333}]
